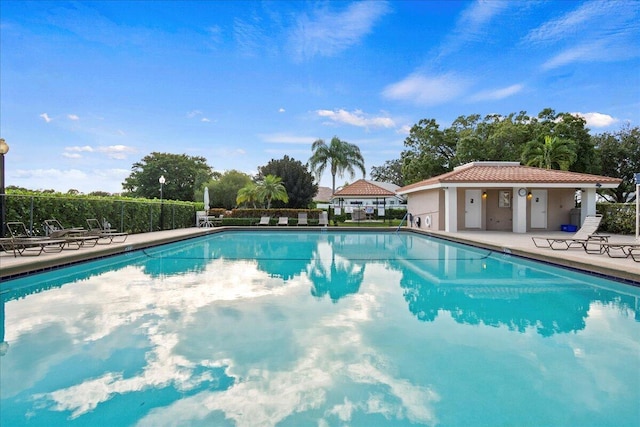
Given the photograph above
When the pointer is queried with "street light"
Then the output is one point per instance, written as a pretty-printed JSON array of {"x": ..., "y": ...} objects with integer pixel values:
[
  {"x": 4, "y": 149},
  {"x": 161, "y": 180}
]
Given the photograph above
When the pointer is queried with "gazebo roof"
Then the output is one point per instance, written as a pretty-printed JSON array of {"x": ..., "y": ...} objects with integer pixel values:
[
  {"x": 364, "y": 188},
  {"x": 509, "y": 173}
]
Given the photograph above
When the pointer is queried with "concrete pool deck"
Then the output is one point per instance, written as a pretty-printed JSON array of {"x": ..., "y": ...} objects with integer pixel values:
[{"x": 516, "y": 244}]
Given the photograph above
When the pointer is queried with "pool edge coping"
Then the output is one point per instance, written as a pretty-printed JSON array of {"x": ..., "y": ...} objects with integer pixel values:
[{"x": 50, "y": 263}]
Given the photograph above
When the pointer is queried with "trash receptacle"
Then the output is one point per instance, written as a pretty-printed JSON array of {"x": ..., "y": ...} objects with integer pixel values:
[{"x": 574, "y": 217}]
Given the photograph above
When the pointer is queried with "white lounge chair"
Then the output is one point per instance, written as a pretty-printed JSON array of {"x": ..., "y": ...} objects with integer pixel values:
[
  {"x": 302, "y": 218},
  {"x": 586, "y": 234},
  {"x": 264, "y": 220},
  {"x": 283, "y": 220},
  {"x": 323, "y": 220}
]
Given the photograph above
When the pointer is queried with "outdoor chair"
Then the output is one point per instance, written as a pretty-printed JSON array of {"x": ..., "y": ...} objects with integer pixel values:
[
  {"x": 216, "y": 222},
  {"x": 613, "y": 249},
  {"x": 76, "y": 236},
  {"x": 586, "y": 234},
  {"x": 323, "y": 220},
  {"x": 264, "y": 220},
  {"x": 283, "y": 220},
  {"x": 202, "y": 220},
  {"x": 302, "y": 218},
  {"x": 634, "y": 253},
  {"x": 22, "y": 242},
  {"x": 109, "y": 235}
]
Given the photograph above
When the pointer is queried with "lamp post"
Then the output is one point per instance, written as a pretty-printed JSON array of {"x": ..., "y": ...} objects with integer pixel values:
[
  {"x": 4, "y": 149},
  {"x": 161, "y": 180}
]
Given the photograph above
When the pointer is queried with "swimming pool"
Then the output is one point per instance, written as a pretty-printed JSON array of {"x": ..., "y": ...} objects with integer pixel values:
[{"x": 318, "y": 329}]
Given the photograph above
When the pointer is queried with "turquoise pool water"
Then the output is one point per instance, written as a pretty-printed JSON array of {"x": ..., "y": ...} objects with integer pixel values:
[{"x": 318, "y": 329}]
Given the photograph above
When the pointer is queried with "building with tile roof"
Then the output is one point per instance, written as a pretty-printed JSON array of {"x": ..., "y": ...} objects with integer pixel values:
[
  {"x": 503, "y": 196},
  {"x": 368, "y": 195}
]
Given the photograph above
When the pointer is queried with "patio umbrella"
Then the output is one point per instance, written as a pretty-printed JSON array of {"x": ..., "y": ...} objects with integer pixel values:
[{"x": 206, "y": 199}]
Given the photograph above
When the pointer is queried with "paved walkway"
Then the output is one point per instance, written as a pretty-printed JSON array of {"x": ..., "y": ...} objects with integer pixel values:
[{"x": 518, "y": 244}]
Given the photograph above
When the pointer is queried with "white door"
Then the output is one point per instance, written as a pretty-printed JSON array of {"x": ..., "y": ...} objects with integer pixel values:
[
  {"x": 472, "y": 208},
  {"x": 538, "y": 208}
]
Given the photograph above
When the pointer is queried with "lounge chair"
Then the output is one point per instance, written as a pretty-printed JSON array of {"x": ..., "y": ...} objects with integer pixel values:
[
  {"x": 109, "y": 235},
  {"x": 22, "y": 242},
  {"x": 323, "y": 220},
  {"x": 586, "y": 234},
  {"x": 283, "y": 220},
  {"x": 264, "y": 220},
  {"x": 74, "y": 236},
  {"x": 302, "y": 218},
  {"x": 634, "y": 253},
  {"x": 613, "y": 249},
  {"x": 216, "y": 222}
]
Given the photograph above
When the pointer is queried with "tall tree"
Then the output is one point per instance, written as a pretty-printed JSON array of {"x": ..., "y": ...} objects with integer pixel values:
[
  {"x": 340, "y": 156},
  {"x": 183, "y": 175},
  {"x": 271, "y": 188},
  {"x": 248, "y": 195},
  {"x": 390, "y": 172},
  {"x": 296, "y": 178},
  {"x": 553, "y": 153},
  {"x": 428, "y": 152},
  {"x": 620, "y": 158},
  {"x": 224, "y": 189}
]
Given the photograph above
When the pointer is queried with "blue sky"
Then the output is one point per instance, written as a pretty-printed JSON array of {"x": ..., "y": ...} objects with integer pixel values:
[{"x": 89, "y": 88}]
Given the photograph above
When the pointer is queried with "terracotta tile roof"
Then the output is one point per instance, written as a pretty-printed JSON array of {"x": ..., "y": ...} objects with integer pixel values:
[
  {"x": 509, "y": 172},
  {"x": 362, "y": 188},
  {"x": 323, "y": 195}
]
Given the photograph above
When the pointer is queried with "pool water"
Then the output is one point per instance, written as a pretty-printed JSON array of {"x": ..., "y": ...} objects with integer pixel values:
[{"x": 318, "y": 329}]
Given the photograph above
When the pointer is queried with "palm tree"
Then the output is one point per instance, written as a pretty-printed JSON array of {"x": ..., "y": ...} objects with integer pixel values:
[
  {"x": 248, "y": 194},
  {"x": 271, "y": 188},
  {"x": 554, "y": 153},
  {"x": 340, "y": 156}
]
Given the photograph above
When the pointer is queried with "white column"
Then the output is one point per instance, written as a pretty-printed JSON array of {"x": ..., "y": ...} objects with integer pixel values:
[
  {"x": 588, "y": 204},
  {"x": 519, "y": 212},
  {"x": 451, "y": 209}
]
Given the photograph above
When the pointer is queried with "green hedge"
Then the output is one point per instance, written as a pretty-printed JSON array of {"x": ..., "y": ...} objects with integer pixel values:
[
  {"x": 126, "y": 214},
  {"x": 617, "y": 218}
]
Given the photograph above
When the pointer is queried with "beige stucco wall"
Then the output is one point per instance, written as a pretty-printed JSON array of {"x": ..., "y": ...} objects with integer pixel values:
[
  {"x": 428, "y": 203},
  {"x": 498, "y": 218},
  {"x": 559, "y": 204},
  {"x": 560, "y": 201}
]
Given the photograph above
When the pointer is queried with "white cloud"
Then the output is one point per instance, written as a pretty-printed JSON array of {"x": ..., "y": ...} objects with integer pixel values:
[
  {"x": 497, "y": 94},
  {"x": 285, "y": 138},
  {"x": 471, "y": 27},
  {"x": 426, "y": 90},
  {"x": 77, "y": 149},
  {"x": 570, "y": 23},
  {"x": 597, "y": 120},
  {"x": 62, "y": 180},
  {"x": 73, "y": 117},
  {"x": 357, "y": 118},
  {"x": 193, "y": 113},
  {"x": 594, "y": 31},
  {"x": 46, "y": 117},
  {"x": 205, "y": 119},
  {"x": 281, "y": 110},
  {"x": 405, "y": 129},
  {"x": 327, "y": 33},
  {"x": 72, "y": 155},
  {"x": 119, "y": 152}
]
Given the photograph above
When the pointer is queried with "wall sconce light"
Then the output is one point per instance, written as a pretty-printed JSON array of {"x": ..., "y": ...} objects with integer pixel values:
[
  {"x": 484, "y": 194},
  {"x": 529, "y": 195},
  {"x": 598, "y": 185}
]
